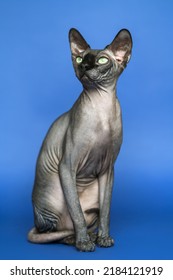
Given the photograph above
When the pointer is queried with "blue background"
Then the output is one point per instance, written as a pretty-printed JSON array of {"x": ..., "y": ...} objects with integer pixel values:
[{"x": 38, "y": 84}]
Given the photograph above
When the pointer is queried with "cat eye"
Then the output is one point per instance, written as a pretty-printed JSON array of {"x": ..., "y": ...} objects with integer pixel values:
[
  {"x": 103, "y": 60},
  {"x": 78, "y": 59}
]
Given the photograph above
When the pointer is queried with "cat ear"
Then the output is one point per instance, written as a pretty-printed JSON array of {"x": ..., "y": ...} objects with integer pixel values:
[
  {"x": 77, "y": 42},
  {"x": 121, "y": 47}
]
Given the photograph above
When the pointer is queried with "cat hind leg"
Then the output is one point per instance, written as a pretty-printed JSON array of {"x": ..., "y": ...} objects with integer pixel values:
[{"x": 46, "y": 229}]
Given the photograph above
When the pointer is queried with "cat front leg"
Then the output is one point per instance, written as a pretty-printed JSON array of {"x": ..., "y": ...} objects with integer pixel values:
[
  {"x": 105, "y": 194},
  {"x": 68, "y": 182}
]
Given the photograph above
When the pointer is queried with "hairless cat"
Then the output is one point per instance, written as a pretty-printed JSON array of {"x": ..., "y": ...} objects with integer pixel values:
[{"x": 75, "y": 167}]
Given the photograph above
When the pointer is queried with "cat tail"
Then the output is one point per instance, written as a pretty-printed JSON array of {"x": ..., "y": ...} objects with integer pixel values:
[{"x": 35, "y": 237}]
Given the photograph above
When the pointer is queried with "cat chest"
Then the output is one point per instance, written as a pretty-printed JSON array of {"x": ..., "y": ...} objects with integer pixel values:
[{"x": 100, "y": 155}]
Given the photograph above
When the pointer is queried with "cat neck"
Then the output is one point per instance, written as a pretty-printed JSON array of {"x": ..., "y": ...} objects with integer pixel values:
[
  {"x": 99, "y": 94},
  {"x": 97, "y": 104}
]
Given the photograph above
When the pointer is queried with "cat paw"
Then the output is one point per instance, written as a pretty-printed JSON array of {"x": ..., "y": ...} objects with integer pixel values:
[
  {"x": 105, "y": 241},
  {"x": 85, "y": 246}
]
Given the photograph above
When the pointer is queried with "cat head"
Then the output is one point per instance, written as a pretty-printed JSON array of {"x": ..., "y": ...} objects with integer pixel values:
[{"x": 100, "y": 67}]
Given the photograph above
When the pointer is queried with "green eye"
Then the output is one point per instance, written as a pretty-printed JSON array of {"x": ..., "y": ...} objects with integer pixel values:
[
  {"x": 78, "y": 59},
  {"x": 103, "y": 60}
]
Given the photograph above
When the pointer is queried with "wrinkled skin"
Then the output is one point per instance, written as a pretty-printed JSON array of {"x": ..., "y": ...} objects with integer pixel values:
[{"x": 75, "y": 167}]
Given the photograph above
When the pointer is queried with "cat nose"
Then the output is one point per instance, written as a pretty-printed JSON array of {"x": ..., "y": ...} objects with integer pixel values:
[{"x": 85, "y": 66}]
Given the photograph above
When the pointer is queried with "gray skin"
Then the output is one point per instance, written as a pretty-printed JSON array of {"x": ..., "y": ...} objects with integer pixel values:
[{"x": 75, "y": 167}]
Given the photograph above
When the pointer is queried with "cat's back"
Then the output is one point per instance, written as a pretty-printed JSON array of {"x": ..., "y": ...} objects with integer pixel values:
[{"x": 51, "y": 149}]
